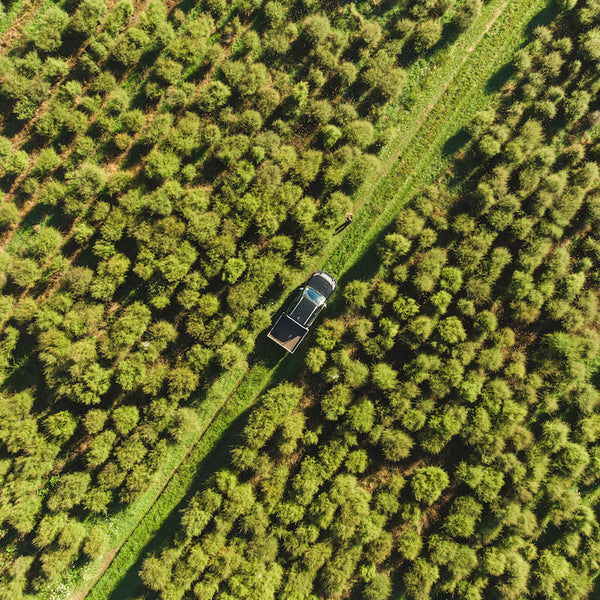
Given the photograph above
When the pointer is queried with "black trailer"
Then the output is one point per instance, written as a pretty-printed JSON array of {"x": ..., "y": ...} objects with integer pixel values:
[{"x": 287, "y": 333}]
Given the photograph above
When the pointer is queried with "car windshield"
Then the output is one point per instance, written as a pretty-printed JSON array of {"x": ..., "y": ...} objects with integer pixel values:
[{"x": 314, "y": 296}]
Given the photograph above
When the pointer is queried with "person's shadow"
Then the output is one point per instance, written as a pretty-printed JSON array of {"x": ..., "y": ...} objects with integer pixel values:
[
  {"x": 341, "y": 227},
  {"x": 349, "y": 218}
]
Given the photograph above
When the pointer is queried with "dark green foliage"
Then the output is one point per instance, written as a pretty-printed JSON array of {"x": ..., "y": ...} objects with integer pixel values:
[
  {"x": 47, "y": 30},
  {"x": 87, "y": 16},
  {"x": 130, "y": 46},
  {"x": 60, "y": 425},
  {"x": 9, "y": 215},
  {"x": 426, "y": 35},
  {"x": 70, "y": 491},
  {"x": 276, "y": 405},
  {"x": 100, "y": 448},
  {"x": 185, "y": 171},
  {"x": 467, "y": 13},
  {"x": 155, "y": 573}
]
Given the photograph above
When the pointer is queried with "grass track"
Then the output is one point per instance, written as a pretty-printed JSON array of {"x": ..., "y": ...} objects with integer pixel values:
[
  {"x": 452, "y": 92},
  {"x": 430, "y": 149}
]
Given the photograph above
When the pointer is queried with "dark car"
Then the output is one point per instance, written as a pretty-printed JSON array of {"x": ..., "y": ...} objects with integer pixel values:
[{"x": 291, "y": 327}]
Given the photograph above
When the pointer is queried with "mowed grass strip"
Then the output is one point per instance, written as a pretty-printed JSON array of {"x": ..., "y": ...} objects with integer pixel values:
[{"x": 422, "y": 160}]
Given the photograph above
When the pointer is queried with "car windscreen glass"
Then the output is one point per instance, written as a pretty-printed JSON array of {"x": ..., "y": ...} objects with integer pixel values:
[{"x": 314, "y": 296}]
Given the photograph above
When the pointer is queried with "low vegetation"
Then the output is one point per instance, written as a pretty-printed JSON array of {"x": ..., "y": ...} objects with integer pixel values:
[
  {"x": 442, "y": 436},
  {"x": 167, "y": 172}
]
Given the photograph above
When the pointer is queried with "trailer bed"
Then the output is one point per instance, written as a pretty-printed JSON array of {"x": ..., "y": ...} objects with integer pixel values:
[{"x": 287, "y": 333}]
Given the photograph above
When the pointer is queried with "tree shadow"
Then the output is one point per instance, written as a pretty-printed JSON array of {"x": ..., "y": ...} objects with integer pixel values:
[
  {"x": 544, "y": 17},
  {"x": 450, "y": 33},
  {"x": 454, "y": 143},
  {"x": 499, "y": 79}
]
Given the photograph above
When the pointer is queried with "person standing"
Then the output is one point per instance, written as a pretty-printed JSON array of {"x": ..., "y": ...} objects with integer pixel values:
[{"x": 347, "y": 220}]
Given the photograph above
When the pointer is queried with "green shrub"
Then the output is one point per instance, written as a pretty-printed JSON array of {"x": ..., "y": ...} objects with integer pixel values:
[
  {"x": 428, "y": 483},
  {"x": 9, "y": 215},
  {"x": 100, "y": 448},
  {"x": 125, "y": 418},
  {"x": 384, "y": 377},
  {"x": 467, "y": 14},
  {"x": 47, "y": 30},
  {"x": 315, "y": 359},
  {"x": 426, "y": 35},
  {"x": 87, "y": 16}
]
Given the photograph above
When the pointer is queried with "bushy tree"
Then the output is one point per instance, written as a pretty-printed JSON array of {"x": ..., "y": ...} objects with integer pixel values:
[
  {"x": 60, "y": 425},
  {"x": 156, "y": 573},
  {"x": 9, "y": 215},
  {"x": 130, "y": 46},
  {"x": 185, "y": 424},
  {"x": 420, "y": 579},
  {"x": 69, "y": 492},
  {"x": 46, "y": 32},
  {"x": 463, "y": 517},
  {"x": 410, "y": 544},
  {"x": 182, "y": 382},
  {"x": 426, "y": 35},
  {"x": 451, "y": 331},
  {"x": 315, "y": 359},
  {"x": 378, "y": 588},
  {"x": 100, "y": 448},
  {"x": 383, "y": 75},
  {"x": 87, "y": 15},
  {"x": 361, "y": 133},
  {"x": 94, "y": 420},
  {"x": 428, "y": 483},
  {"x": 24, "y": 271},
  {"x": 335, "y": 402},
  {"x": 384, "y": 377},
  {"x": 125, "y": 418},
  {"x": 89, "y": 180},
  {"x": 162, "y": 165},
  {"x": 96, "y": 542},
  {"x": 234, "y": 269},
  {"x": 316, "y": 29},
  {"x": 396, "y": 445}
]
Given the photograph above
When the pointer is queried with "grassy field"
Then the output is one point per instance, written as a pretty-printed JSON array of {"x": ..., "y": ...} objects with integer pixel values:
[{"x": 460, "y": 80}]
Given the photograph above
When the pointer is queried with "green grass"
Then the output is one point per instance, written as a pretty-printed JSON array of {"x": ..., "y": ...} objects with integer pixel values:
[
  {"x": 422, "y": 158},
  {"x": 123, "y": 523},
  {"x": 425, "y": 158}
]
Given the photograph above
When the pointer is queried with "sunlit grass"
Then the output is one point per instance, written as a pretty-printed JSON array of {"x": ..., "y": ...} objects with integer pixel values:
[{"x": 422, "y": 159}]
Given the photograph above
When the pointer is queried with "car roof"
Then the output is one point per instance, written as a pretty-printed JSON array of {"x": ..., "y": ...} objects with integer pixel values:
[
  {"x": 305, "y": 307},
  {"x": 321, "y": 282}
]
